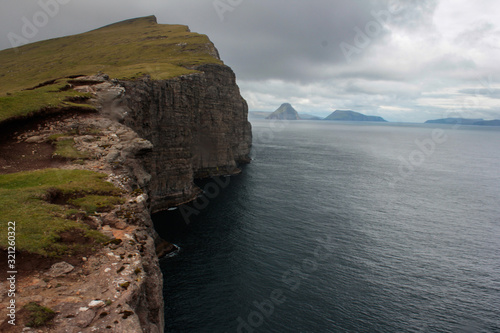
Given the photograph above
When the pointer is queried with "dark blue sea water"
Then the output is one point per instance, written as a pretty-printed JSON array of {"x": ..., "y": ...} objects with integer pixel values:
[{"x": 343, "y": 227}]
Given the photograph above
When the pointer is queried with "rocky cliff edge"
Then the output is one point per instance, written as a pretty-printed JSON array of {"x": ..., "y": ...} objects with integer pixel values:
[{"x": 151, "y": 137}]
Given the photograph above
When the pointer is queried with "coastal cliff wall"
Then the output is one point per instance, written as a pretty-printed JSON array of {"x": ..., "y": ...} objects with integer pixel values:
[
  {"x": 189, "y": 127},
  {"x": 152, "y": 138},
  {"x": 197, "y": 124},
  {"x": 164, "y": 122}
]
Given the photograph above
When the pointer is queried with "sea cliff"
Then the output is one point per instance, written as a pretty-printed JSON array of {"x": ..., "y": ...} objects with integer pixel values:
[
  {"x": 198, "y": 127},
  {"x": 150, "y": 135}
]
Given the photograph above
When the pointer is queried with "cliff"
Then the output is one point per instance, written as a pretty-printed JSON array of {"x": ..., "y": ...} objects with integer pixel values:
[
  {"x": 339, "y": 115},
  {"x": 149, "y": 128},
  {"x": 198, "y": 127},
  {"x": 284, "y": 112}
]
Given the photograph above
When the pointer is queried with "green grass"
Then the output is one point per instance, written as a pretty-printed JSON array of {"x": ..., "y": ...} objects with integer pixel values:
[
  {"x": 26, "y": 198},
  {"x": 65, "y": 149},
  {"x": 96, "y": 203},
  {"x": 65, "y": 144},
  {"x": 38, "y": 315},
  {"x": 124, "y": 50},
  {"x": 29, "y": 102}
]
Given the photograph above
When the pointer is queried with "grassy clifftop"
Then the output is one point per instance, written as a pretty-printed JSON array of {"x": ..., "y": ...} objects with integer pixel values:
[
  {"x": 51, "y": 206},
  {"x": 124, "y": 50}
]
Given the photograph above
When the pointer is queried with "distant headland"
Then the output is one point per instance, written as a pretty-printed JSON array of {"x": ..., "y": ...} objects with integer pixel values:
[
  {"x": 349, "y": 115},
  {"x": 287, "y": 112},
  {"x": 465, "y": 121}
]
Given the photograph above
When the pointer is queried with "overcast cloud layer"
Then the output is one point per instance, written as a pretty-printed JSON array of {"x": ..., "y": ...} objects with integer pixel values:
[{"x": 404, "y": 60}]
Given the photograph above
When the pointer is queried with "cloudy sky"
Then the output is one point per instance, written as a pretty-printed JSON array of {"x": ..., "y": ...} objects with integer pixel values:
[{"x": 404, "y": 60}]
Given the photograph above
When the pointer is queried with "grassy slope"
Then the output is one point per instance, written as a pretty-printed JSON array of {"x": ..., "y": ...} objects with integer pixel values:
[
  {"x": 30, "y": 102},
  {"x": 25, "y": 199},
  {"x": 125, "y": 50}
]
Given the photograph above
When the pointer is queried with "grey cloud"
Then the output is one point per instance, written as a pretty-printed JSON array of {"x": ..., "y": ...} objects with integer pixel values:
[
  {"x": 290, "y": 40},
  {"x": 481, "y": 92},
  {"x": 284, "y": 50},
  {"x": 413, "y": 14},
  {"x": 449, "y": 63},
  {"x": 475, "y": 34},
  {"x": 259, "y": 39}
]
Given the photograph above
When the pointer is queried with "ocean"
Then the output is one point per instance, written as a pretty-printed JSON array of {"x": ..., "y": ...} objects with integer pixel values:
[{"x": 343, "y": 227}]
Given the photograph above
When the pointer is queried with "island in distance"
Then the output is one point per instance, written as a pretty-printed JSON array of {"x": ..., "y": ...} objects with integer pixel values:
[
  {"x": 464, "y": 121},
  {"x": 287, "y": 112},
  {"x": 339, "y": 115},
  {"x": 284, "y": 112}
]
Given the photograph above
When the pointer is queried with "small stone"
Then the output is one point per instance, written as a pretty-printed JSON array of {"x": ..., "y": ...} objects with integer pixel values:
[
  {"x": 83, "y": 319},
  {"x": 121, "y": 225},
  {"x": 34, "y": 139},
  {"x": 142, "y": 198},
  {"x": 87, "y": 138},
  {"x": 96, "y": 304},
  {"x": 84, "y": 258},
  {"x": 60, "y": 269}
]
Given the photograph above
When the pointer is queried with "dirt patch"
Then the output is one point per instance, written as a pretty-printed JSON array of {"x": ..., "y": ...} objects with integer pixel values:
[
  {"x": 18, "y": 156},
  {"x": 26, "y": 264},
  {"x": 75, "y": 236},
  {"x": 29, "y": 264},
  {"x": 21, "y": 156}
]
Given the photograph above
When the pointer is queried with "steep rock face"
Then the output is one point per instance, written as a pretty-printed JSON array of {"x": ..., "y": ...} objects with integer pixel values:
[{"x": 198, "y": 127}]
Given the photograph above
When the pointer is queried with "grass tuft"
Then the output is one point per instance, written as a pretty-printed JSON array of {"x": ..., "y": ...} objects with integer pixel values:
[
  {"x": 65, "y": 149},
  {"x": 96, "y": 203},
  {"x": 38, "y": 315}
]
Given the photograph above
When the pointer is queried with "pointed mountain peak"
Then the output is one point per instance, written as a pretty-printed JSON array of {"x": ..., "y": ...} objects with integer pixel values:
[{"x": 285, "y": 112}]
